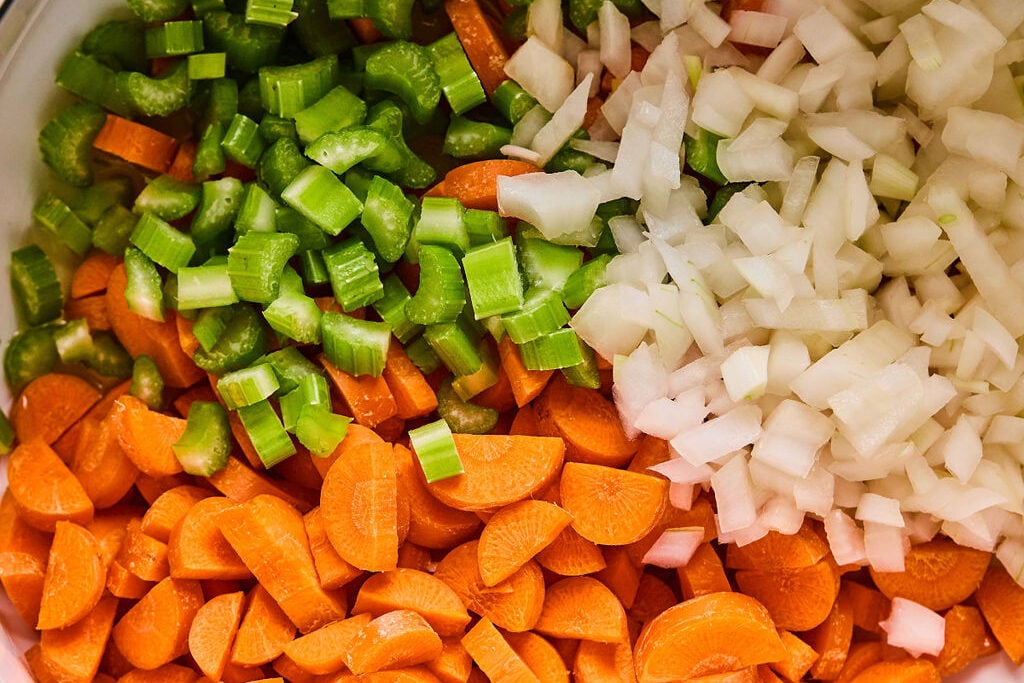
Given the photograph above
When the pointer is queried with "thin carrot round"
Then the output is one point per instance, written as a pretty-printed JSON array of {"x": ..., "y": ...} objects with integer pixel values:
[
  {"x": 495, "y": 657},
  {"x": 264, "y": 632},
  {"x": 100, "y": 464},
  {"x": 74, "y": 653},
  {"x": 196, "y": 548},
  {"x": 432, "y": 524},
  {"x": 540, "y": 656},
  {"x": 323, "y": 651},
  {"x": 587, "y": 421}
]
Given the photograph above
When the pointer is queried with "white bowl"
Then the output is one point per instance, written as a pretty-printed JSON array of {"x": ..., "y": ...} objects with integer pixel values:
[{"x": 34, "y": 37}]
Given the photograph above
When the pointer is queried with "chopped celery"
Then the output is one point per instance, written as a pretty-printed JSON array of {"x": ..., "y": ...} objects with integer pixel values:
[
  {"x": 109, "y": 358},
  {"x": 144, "y": 290},
  {"x": 255, "y": 263},
  {"x": 120, "y": 42},
  {"x": 296, "y": 316},
  {"x": 218, "y": 205},
  {"x": 147, "y": 383},
  {"x": 167, "y": 198},
  {"x": 66, "y": 141},
  {"x": 358, "y": 347},
  {"x": 248, "y": 46},
  {"x": 73, "y": 341},
  {"x": 280, "y": 164},
  {"x": 290, "y": 367},
  {"x": 441, "y": 223},
  {"x": 462, "y": 416},
  {"x": 174, "y": 38},
  {"x": 162, "y": 243},
  {"x": 406, "y": 70},
  {"x": 391, "y": 309},
  {"x": 466, "y": 139},
  {"x": 247, "y": 386},
  {"x": 542, "y": 313},
  {"x": 158, "y": 96},
  {"x": 205, "y": 286},
  {"x": 492, "y": 276},
  {"x": 35, "y": 286},
  {"x": 584, "y": 280},
  {"x": 205, "y": 445},
  {"x": 459, "y": 82},
  {"x": 58, "y": 218},
  {"x": 435, "y": 450},
  {"x": 387, "y": 216},
  {"x": 207, "y": 66},
  {"x": 31, "y": 353},
  {"x": 423, "y": 355},
  {"x": 157, "y": 10},
  {"x": 441, "y": 294},
  {"x": 318, "y": 195},
  {"x": 559, "y": 349},
  {"x": 702, "y": 156},
  {"x": 456, "y": 349},
  {"x": 257, "y": 212},
  {"x": 287, "y": 90},
  {"x": 243, "y": 340},
  {"x": 320, "y": 430},
  {"x": 355, "y": 278},
  {"x": 277, "y": 13},
  {"x": 339, "y": 108},
  {"x": 242, "y": 141},
  {"x": 310, "y": 390}
]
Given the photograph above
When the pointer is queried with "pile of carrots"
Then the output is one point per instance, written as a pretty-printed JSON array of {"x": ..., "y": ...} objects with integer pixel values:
[{"x": 527, "y": 567}]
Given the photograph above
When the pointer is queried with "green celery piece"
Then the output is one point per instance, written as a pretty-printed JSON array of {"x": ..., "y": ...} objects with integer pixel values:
[
  {"x": 243, "y": 340},
  {"x": 218, "y": 205},
  {"x": 162, "y": 242},
  {"x": 174, "y": 38},
  {"x": 463, "y": 417},
  {"x": 317, "y": 32},
  {"x": 406, "y": 70},
  {"x": 258, "y": 212},
  {"x": 58, "y": 218},
  {"x": 269, "y": 439},
  {"x": 144, "y": 289},
  {"x": 359, "y": 347},
  {"x": 34, "y": 283},
  {"x": 167, "y": 198},
  {"x": 341, "y": 150},
  {"x": 440, "y": 223},
  {"x": 435, "y": 451},
  {"x": 248, "y": 46},
  {"x": 355, "y": 278},
  {"x": 209, "y": 159},
  {"x": 114, "y": 229},
  {"x": 457, "y": 350},
  {"x": 585, "y": 374},
  {"x": 492, "y": 276},
  {"x": 391, "y": 309},
  {"x": 559, "y": 349},
  {"x": 296, "y": 316},
  {"x": 90, "y": 79},
  {"x": 459, "y": 82},
  {"x": 210, "y": 324},
  {"x": 291, "y": 368},
  {"x": 584, "y": 280},
  {"x": 158, "y": 96},
  {"x": 255, "y": 263},
  {"x": 321, "y": 197},
  {"x": 29, "y": 354},
  {"x": 548, "y": 265},
  {"x": 702, "y": 156},
  {"x": 109, "y": 358},
  {"x": 66, "y": 141},
  {"x": 205, "y": 445},
  {"x": 512, "y": 101},
  {"x": 309, "y": 390},
  {"x": 157, "y": 10},
  {"x": 287, "y": 90},
  {"x": 247, "y": 386},
  {"x": 414, "y": 173},
  {"x": 387, "y": 217},
  {"x": 440, "y": 296},
  {"x": 423, "y": 356},
  {"x": 721, "y": 198},
  {"x": 338, "y": 109},
  {"x": 542, "y": 313},
  {"x": 280, "y": 164},
  {"x": 242, "y": 141},
  {"x": 93, "y": 201},
  {"x": 221, "y": 102},
  {"x": 119, "y": 40},
  {"x": 270, "y": 12},
  {"x": 147, "y": 384},
  {"x": 74, "y": 341},
  {"x": 309, "y": 233},
  {"x": 467, "y": 139},
  {"x": 273, "y": 128},
  {"x": 393, "y": 18},
  {"x": 207, "y": 66},
  {"x": 320, "y": 430},
  {"x": 204, "y": 286}
]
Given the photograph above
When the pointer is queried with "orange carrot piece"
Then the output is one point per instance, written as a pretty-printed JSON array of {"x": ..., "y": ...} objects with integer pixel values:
[
  {"x": 778, "y": 551},
  {"x": 44, "y": 489},
  {"x": 899, "y": 671},
  {"x": 514, "y": 604},
  {"x": 270, "y": 537},
  {"x": 432, "y": 524},
  {"x": 499, "y": 470},
  {"x": 124, "y": 584},
  {"x": 587, "y": 421},
  {"x": 92, "y": 309},
  {"x": 482, "y": 44},
  {"x": 475, "y": 184},
  {"x": 197, "y": 549},
  {"x": 147, "y": 436},
  {"x": 143, "y": 555},
  {"x": 870, "y": 607},
  {"x": 292, "y": 672},
  {"x": 703, "y": 574},
  {"x": 710, "y": 634},
  {"x": 798, "y": 659},
  {"x": 365, "y": 30},
  {"x": 413, "y": 395},
  {"x": 540, "y": 656},
  {"x": 92, "y": 274},
  {"x": 323, "y": 651},
  {"x": 620, "y": 574},
  {"x": 181, "y": 166},
  {"x": 212, "y": 633},
  {"x": 74, "y": 653},
  {"x": 526, "y": 384},
  {"x": 582, "y": 607},
  {"x": 454, "y": 664},
  {"x": 409, "y": 589},
  {"x": 136, "y": 143},
  {"x": 1001, "y": 601},
  {"x": 239, "y": 482},
  {"x": 832, "y": 639},
  {"x": 395, "y": 639},
  {"x": 369, "y": 398},
  {"x": 197, "y": 392},
  {"x": 937, "y": 574},
  {"x": 653, "y": 596},
  {"x": 141, "y": 336},
  {"x": 412, "y": 556},
  {"x": 524, "y": 423},
  {"x": 603, "y": 663},
  {"x": 571, "y": 555},
  {"x": 797, "y": 599},
  {"x": 862, "y": 655},
  {"x": 155, "y": 631},
  {"x": 101, "y": 465},
  {"x": 965, "y": 640},
  {"x": 333, "y": 570},
  {"x": 499, "y": 395},
  {"x": 611, "y": 506},
  {"x": 300, "y": 471},
  {"x": 359, "y": 507},
  {"x": 495, "y": 657},
  {"x": 515, "y": 534},
  {"x": 23, "y": 556},
  {"x": 168, "y": 673},
  {"x": 49, "y": 405},
  {"x": 356, "y": 437},
  {"x": 264, "y": 632},
  {"x": 169, "y": 509}
]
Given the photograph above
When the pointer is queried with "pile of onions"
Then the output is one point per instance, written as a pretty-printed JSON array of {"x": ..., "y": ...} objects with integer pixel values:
[{"x": 842, "y": 340}]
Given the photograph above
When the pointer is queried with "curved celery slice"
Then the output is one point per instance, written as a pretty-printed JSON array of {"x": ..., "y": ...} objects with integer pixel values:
[
  {"x": 407, "y": 70},
  {"x": 66, "y": 141},
  {"x": 205, "y": 445}
]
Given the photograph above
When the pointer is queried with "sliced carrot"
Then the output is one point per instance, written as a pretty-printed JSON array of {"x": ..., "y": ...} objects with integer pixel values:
[
  {"x": 290, "y": 671},
  {"x": 620, "y": 574},
  {"x": 239, "y": 482},
  {"x": 778, "y": 551},
  {"x": 526, "y": 384},
  {"x": 499, "y": 395},
  {"x": 264, "y": 631},
  {"x": 413, "y": 395},
  {"x": 356, "y": 437},
  {"x": 587, "y": 421},
  {"x": 482, "y": 44},
  {"x": 49, "y": 405},
  {"x": 653, "y": 596},
  {"x": 92, "y": 274},
  {"x": 92, "y": 309},
  {"x": 299, "y": 470},
  {"x": 432, "y": 524},
  {"x": 832, "y": 639},
  {"x": 603, "y": 663},
  {"x": 650, "y": 451},
  {"x": 710, "y": 634},
  {"x": 196, "y": 392},
  {"x": 965, "y": 640},
  {"x": 197, "y": 549},
  {"x": 514, "y": 604},
  {"x": 141, "y": 336},
  {"x": 212, "y": 633},
  {"x": 365, "y": 29},
  {"x": 862, "y": 655},
  {"x": 1001, "y": 601},
  {"x": 540, "y": 655},
  {"x": 44, "y": 489},
  {"x": 151, "y": 488},
  {"x": 155, "y": 631},
  {"x": 797, "y": 599},
  {"x": 937, "y": 574},
  {"x": 124, "y": 584},
  {"x": 701, "y": 514},
  {"x": 870, "y": 607},
  {"x": 241, "y": 437},
  {"x": 333, "y": 570},
  {"x": 412, "y": 556},
  {"x": 169, "y": 509},
  {"x": 100, "y": 464},
  {"x": 515, "y": 534},
  {"x": 270, "y": 537},
  {"x": 499, "y": 470},
  {"x": 323, "y": 651},
  {"x": 23, "y": 556},
  {"x": 147, "y": 436},
  {"x": 181, "y": 166},
  {"x": 454, "y": 664},
  {"x": 475, "y": 184},
  {"x": 524, "y": 423},
  {"x": 369, "y": 398},
  {"x": 571, "y": 555},
  {"x": 74, "y": 653},
  {"x": 899, "y": 671},
  {"x": 409, "y": 589},
  {"x": 495, "y": 657},
  {"x": 136, "y": 143},
  {"x": 611, "y": 506},
  {"x": 798, "y": 659},
  {"x": 168, "y": 673},
  {"x": 395, "y": 639},
  {"x": 582, "y": 607},
  {"x": 143, "y": 555},
  {"x": 359, "y": 507}
]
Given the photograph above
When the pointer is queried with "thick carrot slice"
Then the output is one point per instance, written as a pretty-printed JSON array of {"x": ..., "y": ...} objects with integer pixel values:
[
  {"x": 92, "y": 309},
  {"x": 571, "y": 555},
  {"x": 181, "y": 166},
  {"x": 136, "y": 143},
  {"x": 264, "y": 631},
  {"x": 701, "y": 514},
  {"x": 587, "y": 421},
  {"x": 49, "y": 405},
  {"x": 514, "y": 604},
  {"x": 124, "y": 584},
  {"x": 413, "y": 395},
  {"x": 333, "y": 570},
  {"x": 155, "y": 631},
  {"x": 965, "y": 640},
  {"x": 409, "y": 589},
  {"x": 798, "y": 659},
  {"x": 141, "y": 336},
  {"x": 862, "y": 655},
  {"x": 454, "y": 664},
  {"x": 938, "y": 574},
  {"x": 369, "y": 398},
  {"x": 703, "y": 574},
  {"x": 620, "y": 574},
  {"x": 359, "y": 507},
  {"x": 611, "y": 506},
  {"x": 323, "y": 651},
  {"x": 212, "y": 633},
  {"x": 495, "y": 657},
  {"x": 475, "y": 184},
  {"x": 653, "y": 596},
  {"x": 582, "y": 607},
  {"x": 239, "y": 482},
  {"x": 74, "y": 653},
  {"x": 603, "y": 663},
  {"x": 515, "y": 534},
  {"x": 44, "y": 489},
  {"x": 169, "y": 509},
  {"x": 482, "y": 44},
  {"x": 870, "y": 607},
  {"x": 778, "y": 551},
  {"x": 411, "y": 556},
  {"x": 499, "y": 395},
  {"x": 540, "y": 655},
  {"x": 395, "y": 639},
  {"x": 526, "y": 384},
  {"x": 147, "y": 436},
  {"x": 797, "y": 599},
  {"x": 499, "y": 470},
  {"x": 23, "y": 556},
  {"x": 832, "y": 638},
  {"x": 197, "y": 549},
  {"x": 168, "y": 673},
  {"x": 101, "y": 465},
  {"x": 1001, "y": 600},
  {"x": 432, "y": 524},
  {"x": 143, "y": 555},
  {"x": 899, "y": 671},
  {"x": 710, "y": 634},
  {"x": 270, "y": 537},
  {"x": 92, "y": 274}
]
